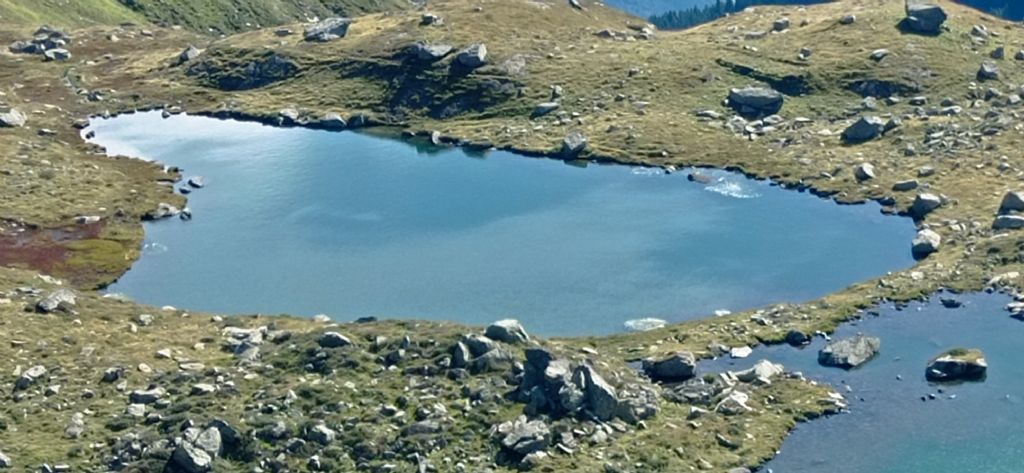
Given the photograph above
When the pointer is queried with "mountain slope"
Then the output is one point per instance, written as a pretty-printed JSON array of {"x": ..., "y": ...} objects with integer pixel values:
[{"x": 221, "y": 16}]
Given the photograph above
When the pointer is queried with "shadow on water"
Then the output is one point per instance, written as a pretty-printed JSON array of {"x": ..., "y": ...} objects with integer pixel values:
[{"x": 972, "y": 426}]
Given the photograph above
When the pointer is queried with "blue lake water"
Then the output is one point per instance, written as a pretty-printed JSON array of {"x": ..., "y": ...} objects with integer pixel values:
[
  {"x": 351, "y": 225},
  {"x": 889, "y": 429}
]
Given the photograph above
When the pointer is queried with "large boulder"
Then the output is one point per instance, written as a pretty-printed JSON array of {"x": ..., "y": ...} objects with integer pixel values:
[
  {"x": 849, "y": 352},
  {"x": 189, "y": 458},
  {"x": 1008, "y": 222},
  {"x": 328, "y": 30},
  {"x": 924, "y": 204},
  {"x": 679, "y": 366},
  {"x": 333, "y": 340},
  {"x": 761, "y": 373},
  {"x": 957, "y": 364},
  {"x": 12, "y": 118},
  {"x": 988, "y": 71},
  {"x": 473, "y": 57},
  {"x": 61, "y": 299},
  {"x": 429, "y": 52},
  {"x": 864, "y": 129},
  {"x": 924, "y": 17},
  {"x": 525, "y": 437},
  {"x": 599, "y": 396},
  {"x": 1012, "y": 202},
  {"x": 507, "y": 331},
  {"x": 756, "y": 101},
  {"x": 925, "y": 243},
  {"x": 573, "y": 144}
]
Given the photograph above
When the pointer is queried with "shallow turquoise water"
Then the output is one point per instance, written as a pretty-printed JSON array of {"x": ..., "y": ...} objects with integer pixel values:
[
  {"x": 351, "y": 225},
  {"x": 889, "y": 429}
]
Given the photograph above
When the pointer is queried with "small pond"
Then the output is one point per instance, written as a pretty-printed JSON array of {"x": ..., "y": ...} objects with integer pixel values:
[
  {"x": 351, "y": 225},
  {"x": 973, "y": 426}
]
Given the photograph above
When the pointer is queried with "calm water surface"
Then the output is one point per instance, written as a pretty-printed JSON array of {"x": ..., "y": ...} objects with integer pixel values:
[
  {"x": 889, "y": 429},
  {"x": 306, "y": 222}
]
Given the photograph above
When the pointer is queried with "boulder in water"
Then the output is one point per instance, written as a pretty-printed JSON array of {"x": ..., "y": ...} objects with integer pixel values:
[
  {"x": 958, "y": 364},
  {"x": 849, "y": 352}
]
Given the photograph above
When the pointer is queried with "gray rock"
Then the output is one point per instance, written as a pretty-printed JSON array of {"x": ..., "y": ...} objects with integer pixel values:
[
  {"x": 473, "y": 57},
  {"x": 460, "y": 355},
  {"x": 423, "y": 427},
  {"x": 849, "y": 352},
  {"x": 334, "y": 340},
  {"x": 190, "y": 53},
  {"x": 428, "y": 19},
  {"x": 507, "y": 331},
  {"x": 321, "y": 434},
  {"x": 498, "y": 359},
  {"x": 573, "y": 144},
  {"x": 924, "y": 17},
  {"x": 781, "y": 24},
  {"x": 761, "y": 373},
  {"x": 864, "y": 129},
  {"x": 545, "y": 108},
  {"x": 75, "y": 427},
  {"x": 734, "y": 403},
  {"x": 797, "y": 338},
  {"x": 5, "y": 461},
  {"x": 599, "y": 396},
  {"x": 1008, "y": 222},
  {"x": 430, "y": 52},
  {"x": 879, "y": 54},
  {"x": 864, "y": 172},
  {"x": 925, "y": 243},
  {"x": 998, "y": 53},
  {"x": 202, "y": 389},
  {"x": 112, "y": 374},
  {"x": 1012, "y": 202},
  {"x": 135, "y": 410},
  {"x": 30, "y": 376},
  {"x": 957, "y": 365},
  {"x": 988, "y": 71},
  {"x": 61, "y": 299},
  {"x": 58, "y": 54},
  {"x": 208, "y": 440},
  {"x": 332, "y": 121},
  {"x": 146, "y": 396},
  {"x": 526, "y": 437},
  {"x": 904, "y": 186},
  {"x": 478, "y": 344},
  {"x": 328, "y": 30},
  {"x": 924, "y": 204},
  {"x": 848, "y": 20},
  {"x": 13, "y": 118},
  {"x": 756, "y": 101},
  {"x": 679, "y": 366},
  {"x": 189, "y": 458}
]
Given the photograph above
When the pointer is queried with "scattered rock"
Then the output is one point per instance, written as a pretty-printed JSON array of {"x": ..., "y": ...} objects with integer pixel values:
[
  {"x": 740, "y": 352},
  {"x": 544, "y": 108},
  {"x": 924, "y": 17},
  {"x": 508, "y": 331},
  {"x": 430, "y": 52},
  {"x": 189, "y": 458},
  {"x": 328, "y": 30},
  {"x": 988, "y": 71},
  {"x": 864, "y": 129},
  {"x": 190, "y": 53},
  {"x": 1008, "y": 222},
  {"x": 1013, "y": 201},
  {"x": 924, "y": 204},
  {"x": 12, "y": 118},
  {"x": 61, "y": 299},
  {"x": 473, "y": 57},
  {"x": 679, "y": 366},
  {"x": 864, "y": 172},
  {"x": 761, "y": 373},
  {"x": 525, "y": 437},
  {"x": 850, "y": 352},
  {"x": 925, "y": 243},
  {"x": 755, "y": 101},
  {"x": 334, "y": 340},
  {"x": 573, "y": 144}
]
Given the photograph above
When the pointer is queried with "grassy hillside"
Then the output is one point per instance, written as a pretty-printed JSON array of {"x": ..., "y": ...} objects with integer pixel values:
[
  {"x": 68, "y": 13},
  {"x": 221, "y": 16}
]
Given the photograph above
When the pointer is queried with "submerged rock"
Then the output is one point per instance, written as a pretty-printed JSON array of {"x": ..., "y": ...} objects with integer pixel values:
[
  {"x": 958, "y": 364},
  {"x": 850, "y": 352}
]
